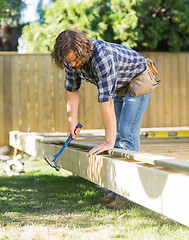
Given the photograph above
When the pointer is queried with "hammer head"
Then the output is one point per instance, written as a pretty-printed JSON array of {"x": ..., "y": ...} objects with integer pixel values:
[{"x": 52, "y": 164}]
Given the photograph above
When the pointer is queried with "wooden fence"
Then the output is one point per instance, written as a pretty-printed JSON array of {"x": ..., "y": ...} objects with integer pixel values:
[{"x": 32, "y": 95}]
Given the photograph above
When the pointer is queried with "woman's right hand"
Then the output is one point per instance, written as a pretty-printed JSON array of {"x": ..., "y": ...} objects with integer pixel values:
[{"x": 71, "y": 130}]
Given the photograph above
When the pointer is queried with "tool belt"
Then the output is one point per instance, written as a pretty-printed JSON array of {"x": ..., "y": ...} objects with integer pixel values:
[{"x": 143, "y": 83}]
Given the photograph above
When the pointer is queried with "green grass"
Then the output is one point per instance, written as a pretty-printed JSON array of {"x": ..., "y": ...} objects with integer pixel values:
[{"x": 44, "y": 204}]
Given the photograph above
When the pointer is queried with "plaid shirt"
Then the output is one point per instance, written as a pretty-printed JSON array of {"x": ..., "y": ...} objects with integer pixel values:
[{"x": 111, "y": 67}]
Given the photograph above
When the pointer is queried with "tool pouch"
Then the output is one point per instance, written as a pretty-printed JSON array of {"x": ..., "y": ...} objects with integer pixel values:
[
  {"x": 122, "y": 92},
  {"x": 145, "y": 82}
]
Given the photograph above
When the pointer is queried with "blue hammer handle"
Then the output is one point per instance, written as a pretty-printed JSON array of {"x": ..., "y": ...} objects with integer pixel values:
[{"x": 66, "y": 143}]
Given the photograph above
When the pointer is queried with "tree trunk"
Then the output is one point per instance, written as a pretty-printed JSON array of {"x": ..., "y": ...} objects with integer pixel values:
[{"x": 9, "y": 38}]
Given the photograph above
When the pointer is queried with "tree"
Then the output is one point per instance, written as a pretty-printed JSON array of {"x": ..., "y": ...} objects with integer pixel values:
[
  {"x": 10, "y": 28},
  {"x": 90, "y": 16},
  {"x": 145, "y": 25},
  {"x": 162, "y": 25},
  {"x": 155, "y": 25},
  {"x": 13, "y": 9},
  {"x": 3, "y": 9},
  {"x": 124, "y": 20}
]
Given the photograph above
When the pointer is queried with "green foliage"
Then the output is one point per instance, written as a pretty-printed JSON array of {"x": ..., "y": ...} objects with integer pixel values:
[
  {"x": 145, "y": 25},
  {"x": 88, "y": 16},
  {"x": 99, "y": 23},
  {"x": 124, "y": 22},
  {"x": 3, "y": 9},
  {"x": 10, "y": 12},
  {"x": 162, "y": 25}
]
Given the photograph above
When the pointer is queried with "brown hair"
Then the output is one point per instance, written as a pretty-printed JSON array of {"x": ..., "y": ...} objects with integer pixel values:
[{"x": 71, "y": 40}]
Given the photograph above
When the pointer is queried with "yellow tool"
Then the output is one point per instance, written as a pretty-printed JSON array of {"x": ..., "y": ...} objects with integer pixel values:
[{"x": 170, "y": 134}]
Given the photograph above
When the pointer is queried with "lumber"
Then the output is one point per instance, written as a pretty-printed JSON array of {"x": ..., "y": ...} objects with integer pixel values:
[
  {"x": 151, "y": 186},
  {"x": 163, "y": 161},
  {"x": 2, "y": 124}
]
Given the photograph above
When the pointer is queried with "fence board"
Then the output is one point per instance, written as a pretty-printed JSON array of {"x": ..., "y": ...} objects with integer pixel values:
[
  {"x": 160, "y": 90},
  {"x": 81, "y": 114},
  {"x": 40, "y": 92},
  {"x": 48, "y": 97},
  {"x": 166, "y": 80},
  {"x": 58, "y": 88},
  {"x": 36, "y": 81},
  {"x": 187, "y": 89},
  {"x": 24, "y": 81},
  {"x": 16, "y": 111},
  {"x": 2, "y": 138},
  {"x": 182, "y": 87},
  {"x": 32, "y": 95},
  {"x": 152, "y": 107},
  {"x": 64, "y": 122},
  {"x": 7, "y": 93},
  {"x": 175, "y": 90}
]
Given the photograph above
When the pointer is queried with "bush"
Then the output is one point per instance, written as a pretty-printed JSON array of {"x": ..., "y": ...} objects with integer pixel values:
[{"x": 145, "y": 25}]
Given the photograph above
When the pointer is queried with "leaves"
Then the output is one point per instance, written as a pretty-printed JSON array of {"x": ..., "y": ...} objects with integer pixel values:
[
  {"x": 10, "y": 12},
  {"x": 145, "y": 25},
  {"x": 3, "y": 9}
]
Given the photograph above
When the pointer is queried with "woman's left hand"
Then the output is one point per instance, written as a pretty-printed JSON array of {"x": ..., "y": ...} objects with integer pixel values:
[{"x": 100, "y": 148}]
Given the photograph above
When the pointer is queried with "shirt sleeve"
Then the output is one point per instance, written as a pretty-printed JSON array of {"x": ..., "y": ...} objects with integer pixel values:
[
  {"x": 104, "y": 65},
  {"x": 73, "y": 80}
]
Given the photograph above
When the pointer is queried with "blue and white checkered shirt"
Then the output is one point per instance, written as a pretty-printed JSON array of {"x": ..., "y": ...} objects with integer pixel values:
[{"x": 111, "y": 67}]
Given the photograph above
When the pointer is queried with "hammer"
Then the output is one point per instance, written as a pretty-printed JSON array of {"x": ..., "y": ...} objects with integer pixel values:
[{"x": 69, "y": 139}]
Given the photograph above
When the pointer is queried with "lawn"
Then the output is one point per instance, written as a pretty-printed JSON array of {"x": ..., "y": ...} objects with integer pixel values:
[{"x": 43, "y": 204}]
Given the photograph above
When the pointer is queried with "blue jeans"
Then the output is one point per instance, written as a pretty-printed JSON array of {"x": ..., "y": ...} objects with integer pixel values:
[{"x": 129, "y": 113}]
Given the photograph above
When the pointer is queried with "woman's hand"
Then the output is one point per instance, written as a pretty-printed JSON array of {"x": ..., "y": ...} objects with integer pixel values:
[
  {"x": 100, "y": 148},
  {"x": 71, "y": 130}
]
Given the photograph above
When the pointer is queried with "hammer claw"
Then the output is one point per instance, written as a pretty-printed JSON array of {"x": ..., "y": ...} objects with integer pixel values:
[{"x": 52, "y": 164}]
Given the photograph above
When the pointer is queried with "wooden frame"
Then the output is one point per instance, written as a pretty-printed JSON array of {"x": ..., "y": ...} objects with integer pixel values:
[{"x": 157, "y": 188}]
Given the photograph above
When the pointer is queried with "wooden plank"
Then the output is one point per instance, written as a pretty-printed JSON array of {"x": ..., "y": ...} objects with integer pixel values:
[
  {"x": 64, "y": 121},
  {"x": 160, "y": 91},
  {"x": 146, "y": 121},
  {"x": 16, "y": 108},
  {"x": 37, "y": 107},
  {"x": 89, "y": 107},
  {"x": 149, "y": 187},
  {"x": 60, "y": 117},
  {"x": 7, "y": 89},
  {"x": 40, "y": 78},
  {"x": 48, "y": 95},
  {"x": 158, "y": 160},
  {"x": 183, "y": 89},
  {"x": 155, "y": 104},
  {"x": 163, "y": 161},
  {"x": 2, "y": 119},
  {"x": 167, "y": 85},
  {"x": 151, "y": 112},
  {"x": 146, "y": 185},
  {"x": 32, "y": 111},
  {"x": 24, "y": 97},
  {"x": 81, "y": 112},
  {"x": 187, "y": 88},
  {"x": 175, "y": 90},
  {"x": 57, "y": 100}
]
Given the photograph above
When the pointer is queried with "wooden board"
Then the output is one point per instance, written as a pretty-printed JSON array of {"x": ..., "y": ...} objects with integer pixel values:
[
  {"x": 183, "y": 86},
  {"x": 7, "y": 97},
  {"x": 32, "y": 95},
  {"x": 1, "y": 104},
  {"x": 150, "y": 186}
]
